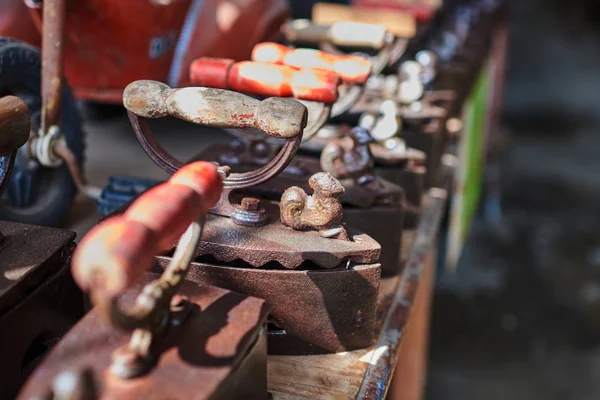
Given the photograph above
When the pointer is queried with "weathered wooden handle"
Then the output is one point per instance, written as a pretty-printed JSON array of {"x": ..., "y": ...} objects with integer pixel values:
[
  {"x": 266, "y": 79},
  {"x": 351, "y": 69},
  {"x": 15, "y": 124},
  {"x": 398, "y": 23},
  {"x": 276, "y": 117},
  {"x": 346, "y": 34},
  {"x": 114, "y": 254}
]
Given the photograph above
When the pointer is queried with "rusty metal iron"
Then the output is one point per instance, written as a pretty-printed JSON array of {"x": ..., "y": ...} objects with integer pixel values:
[
  {"x": 53, "y": 38},
  {"x": 313, "y": 310},
  {"x": 219, "y": 351},
  {"x": 224, "y": 239},
  {"x": 166, "y": 316},
  {"x": 39, "y": 301},
  {"x": 375, "y": 207}
]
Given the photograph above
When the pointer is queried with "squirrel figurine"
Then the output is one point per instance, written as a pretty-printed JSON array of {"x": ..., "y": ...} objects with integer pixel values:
[
  {"x": 322, "y": 211},
  {"x": 353, "y": 162}
]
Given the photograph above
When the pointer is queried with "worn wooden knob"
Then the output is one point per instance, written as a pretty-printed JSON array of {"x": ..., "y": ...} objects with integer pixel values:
[
  {"x": 351, "y": 69},
  {"x": 114, "y": 254},
  {"x": 15, "y": 124},
  {"x": 216, "y": 107}
]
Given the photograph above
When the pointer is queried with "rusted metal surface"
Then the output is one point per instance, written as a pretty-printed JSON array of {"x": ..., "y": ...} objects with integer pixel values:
[
  {"x": 322, "y": 211},
  {"x": 275, "y": 242},
  {"x": 219, "y": 351},
  {"x": 313, "y": 310},
  {"x": 377, "y": 210},
  {"x": 39, "y": 301},
  {"x": 53, "y": 46},
  {"x": 186, "y": 341}
]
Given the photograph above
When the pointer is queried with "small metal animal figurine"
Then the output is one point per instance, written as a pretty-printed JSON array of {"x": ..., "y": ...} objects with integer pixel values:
[
  {"x": 352, "y": 161},
  {"x": 322, "y": 211}
]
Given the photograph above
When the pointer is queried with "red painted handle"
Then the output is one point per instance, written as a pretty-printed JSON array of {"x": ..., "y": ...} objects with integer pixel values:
[
  {"x": 266, "y": 79},
  {"x": 114, "y": 254},
  {"x": 352, "y": 69}
]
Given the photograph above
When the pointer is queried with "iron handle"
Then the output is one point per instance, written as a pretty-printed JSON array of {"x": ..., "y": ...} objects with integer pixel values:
[
  {"x": 276, "y": 117},
  {"x": 345, "y": 34},
  {"x": 351, "y": 69},
  {"x": 114, "y": 255},
  {"x": 266, "y": 79}
]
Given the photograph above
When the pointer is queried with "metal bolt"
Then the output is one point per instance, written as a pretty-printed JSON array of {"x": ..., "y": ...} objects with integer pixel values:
[{"x": 250, "y": 204}]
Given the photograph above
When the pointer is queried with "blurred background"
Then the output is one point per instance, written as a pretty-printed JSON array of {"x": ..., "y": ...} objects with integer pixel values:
[{"x": 520, "y": 317}]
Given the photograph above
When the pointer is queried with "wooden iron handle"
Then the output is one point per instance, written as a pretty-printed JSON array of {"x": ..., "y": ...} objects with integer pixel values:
[
  {"x": 266, "y": 79},
  {"x": 276, "y": 117},
  {"x": 346, "y": 34},
  {"x": 15, "y": 124},
  {"x": 398, "y": 23},
  {"x": 351, "y": 69},
  {"x": 114, "y": 255}
]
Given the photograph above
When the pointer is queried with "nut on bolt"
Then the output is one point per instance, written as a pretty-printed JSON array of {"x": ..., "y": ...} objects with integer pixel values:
[
  {"x": 250, "y": 204},
  {"x": 249, "y": 213}
]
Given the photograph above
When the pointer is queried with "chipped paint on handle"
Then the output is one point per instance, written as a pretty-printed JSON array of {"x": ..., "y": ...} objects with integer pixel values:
[{"x": 276, "y": 117}]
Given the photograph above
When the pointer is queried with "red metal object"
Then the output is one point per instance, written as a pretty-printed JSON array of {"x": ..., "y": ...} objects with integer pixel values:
[
  {"x": 16, "y": 22},
  {"x": 266, "y": 79},
  {"x": 352, "y": 69},
  {"x": 110, "y": 43},
  {"x": 423, "y": 13}
]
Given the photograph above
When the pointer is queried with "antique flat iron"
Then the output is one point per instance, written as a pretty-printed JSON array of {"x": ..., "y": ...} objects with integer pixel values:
[
  {"x": 371, "y": 204},
  {"x": 150, "y": 336},
  {"x": 39, "y": 300},
  {"x": 320, "y": 276}
]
